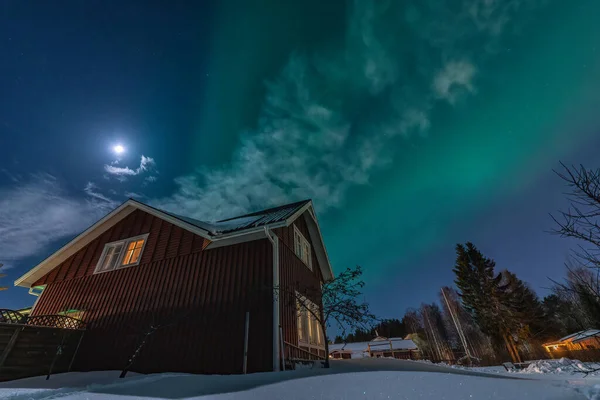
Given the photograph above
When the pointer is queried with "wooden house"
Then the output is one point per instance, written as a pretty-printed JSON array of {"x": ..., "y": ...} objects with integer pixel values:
[
  {"x": 583, "y": 340},
  {"x": 184, "y": 287},
  {"x": 378, "y": 347}
]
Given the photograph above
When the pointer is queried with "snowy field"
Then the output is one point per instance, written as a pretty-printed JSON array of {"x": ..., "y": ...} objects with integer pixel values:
[{"x": 349, "y": 380}]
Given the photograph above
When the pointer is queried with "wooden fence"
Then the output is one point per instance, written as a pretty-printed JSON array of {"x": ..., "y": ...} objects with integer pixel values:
[{"x": 37, "y": 345}]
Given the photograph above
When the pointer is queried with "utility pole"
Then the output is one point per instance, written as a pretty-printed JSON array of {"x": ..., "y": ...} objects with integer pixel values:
[
  {"x": 437, "y": 346},
  {"x": 461, "y": 335}
]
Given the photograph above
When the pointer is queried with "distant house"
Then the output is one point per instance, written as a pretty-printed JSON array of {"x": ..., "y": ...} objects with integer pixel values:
[
  {"x": 140, "y": 267},
  {"x": 378, "y": 347},
  {"x": 583, "y": 340}
]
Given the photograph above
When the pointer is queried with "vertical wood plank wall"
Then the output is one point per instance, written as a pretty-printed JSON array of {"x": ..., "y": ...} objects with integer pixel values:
[
  {"x": 200, "y": 295},
  {"x": 295, "y": 275}
]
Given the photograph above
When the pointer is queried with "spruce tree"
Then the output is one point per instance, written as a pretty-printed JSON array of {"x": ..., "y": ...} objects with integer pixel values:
[{"x": 484, "y": 296}]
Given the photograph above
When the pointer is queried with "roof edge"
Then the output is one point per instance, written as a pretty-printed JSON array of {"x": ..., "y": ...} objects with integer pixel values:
[{"x": 119, "y": 213}]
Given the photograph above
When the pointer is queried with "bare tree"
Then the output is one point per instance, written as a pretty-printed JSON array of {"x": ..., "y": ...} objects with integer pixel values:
[
  {"x": 581, "y": 290},
  {"x": 582, "y": 219},
  {"x": 436, "y": 332},
  {"x": 335, "y": 302}
]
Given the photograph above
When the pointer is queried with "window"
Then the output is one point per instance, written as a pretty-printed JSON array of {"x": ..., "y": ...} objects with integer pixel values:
[
  {"x": 302, "y": 248},
  {"x": 132, "y": 255},
  {"x": 309, "y": 329},
  {"x": 124, "y": 253}
]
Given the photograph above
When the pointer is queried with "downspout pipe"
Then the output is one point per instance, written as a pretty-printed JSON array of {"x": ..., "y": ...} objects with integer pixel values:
[{"x": 276, "y": 296}]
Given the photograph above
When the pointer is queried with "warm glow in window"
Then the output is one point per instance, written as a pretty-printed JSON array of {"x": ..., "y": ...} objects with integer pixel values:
[
  {"x": 133, "y": 252},
  {"x": 124, "y": 253},
  {"x": 309, "y": 329}
]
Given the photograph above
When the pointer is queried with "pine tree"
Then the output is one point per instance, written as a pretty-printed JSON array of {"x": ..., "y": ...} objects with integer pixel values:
[
  {"x": 390, "y": 328},
  {"x": 484, "y": 296}
]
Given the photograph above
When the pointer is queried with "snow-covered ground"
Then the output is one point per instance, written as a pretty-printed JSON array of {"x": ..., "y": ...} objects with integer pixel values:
[{"x": 348, "y": 379}]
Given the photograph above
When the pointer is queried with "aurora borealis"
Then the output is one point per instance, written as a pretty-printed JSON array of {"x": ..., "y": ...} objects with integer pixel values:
[{"x": 413, "y": 125}]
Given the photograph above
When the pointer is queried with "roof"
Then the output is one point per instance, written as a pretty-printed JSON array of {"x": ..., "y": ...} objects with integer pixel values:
[
  {"x": 220, "y": 233},
  {"x": 381, "y": 344},
  {"x": 579, "y": 336},
  {"x": 397, "y": 344},
  {"x": 576, "y": 337},
  {"x": 247, "y": 221}
]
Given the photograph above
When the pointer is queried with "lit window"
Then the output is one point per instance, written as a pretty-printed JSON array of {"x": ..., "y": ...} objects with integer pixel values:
[
  {"x": 124, "y": 253},
  {"x": 302, "y": 248},
  {"x": 309, "y": 329},
  {"x": 132, "y": 255}
]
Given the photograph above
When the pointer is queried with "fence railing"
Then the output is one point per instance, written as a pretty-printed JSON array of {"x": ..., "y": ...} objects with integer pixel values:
[
  {"x": 293, "y": 353},
  {"x": 51, "y": 321},
  {"x": 11, "y": 316}
]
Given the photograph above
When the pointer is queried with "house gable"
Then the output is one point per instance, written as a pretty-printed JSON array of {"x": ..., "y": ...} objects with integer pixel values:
[
  {"x": 269, "y": 219},
  {"x": 93, "y": 232},
  {"x": 165, "y": 240},
  {"x": 286, "y": 236}
]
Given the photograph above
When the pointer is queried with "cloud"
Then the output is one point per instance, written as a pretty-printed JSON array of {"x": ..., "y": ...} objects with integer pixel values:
[
  {"x": 493, "y": 15},
  {"x": 134, "y": 195},
  {"x": 92, "y": 190},
  {"x": 328, "y": 123},
  {"x": 11, "y": 176},
  {"x": 331, "y": 120},
  {"x": 38, "y": 211},
  {"x": 146, "y": 164},
  {"x": 455, "y": 78}
]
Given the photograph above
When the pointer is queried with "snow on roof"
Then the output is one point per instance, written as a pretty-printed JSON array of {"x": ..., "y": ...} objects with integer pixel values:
[
  {"x": 357, "y": 347},
  {"x": 253, "y": 220},
  {"x": 579, "y": 336},
  {"x": 381, "y": 344},
  {"x": 397, "y": 344},
  {"x": 260, "y": 218}
]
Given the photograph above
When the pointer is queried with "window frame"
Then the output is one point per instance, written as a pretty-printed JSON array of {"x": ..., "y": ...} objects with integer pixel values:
[
  {"x": 303, "y": 241},
  {"x": 125, "y": 243},
  {"x": 306, "y": 316}
]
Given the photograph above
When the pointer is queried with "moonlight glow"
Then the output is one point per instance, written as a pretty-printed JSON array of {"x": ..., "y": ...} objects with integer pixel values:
[{"x": 119, "y": 149}]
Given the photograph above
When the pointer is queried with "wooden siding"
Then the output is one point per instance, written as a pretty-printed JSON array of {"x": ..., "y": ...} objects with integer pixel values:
[
  {"x": 286, "y": 236},
  {"x": 165, "y": 241},
  {"x": 200, "y": 295},
  {"x": 295, "y": 275}
]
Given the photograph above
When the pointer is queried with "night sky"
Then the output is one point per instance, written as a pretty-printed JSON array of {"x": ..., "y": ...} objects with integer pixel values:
[{"x": 413, "y": 125}]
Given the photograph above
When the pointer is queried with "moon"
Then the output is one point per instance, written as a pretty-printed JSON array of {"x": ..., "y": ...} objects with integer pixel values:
[{"x": 119, "y": 149}]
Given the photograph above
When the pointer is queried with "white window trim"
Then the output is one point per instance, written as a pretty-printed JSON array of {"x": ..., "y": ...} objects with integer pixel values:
[
  {"x": 125, "y": 243},
  {"x": 303, "y": 301},
  {"x": 297, "y": 232}
]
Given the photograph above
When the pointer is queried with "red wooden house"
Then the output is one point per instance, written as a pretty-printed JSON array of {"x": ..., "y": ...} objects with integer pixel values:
[{"x": 140, "y": 267}]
